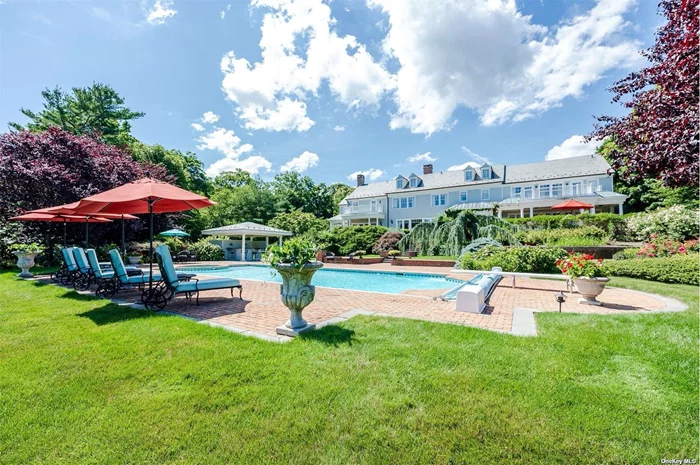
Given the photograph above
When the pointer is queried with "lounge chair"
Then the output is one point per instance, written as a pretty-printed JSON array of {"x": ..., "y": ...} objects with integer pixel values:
[
  {"x": 186, "y": 256},
  {"x": 71, "y": 272},
  {"x": 86, "y": 277},
  {"x": 172, "y": 284},
  {"x": 99, "y": 273},
  {"x": 120, "y": 277}
]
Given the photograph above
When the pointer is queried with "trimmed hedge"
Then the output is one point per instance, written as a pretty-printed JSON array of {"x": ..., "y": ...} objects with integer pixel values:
[
  {"x": 679, "y": 269},
  {"x": 348, "y": 239},
  {"x": 516, "y": 259}
]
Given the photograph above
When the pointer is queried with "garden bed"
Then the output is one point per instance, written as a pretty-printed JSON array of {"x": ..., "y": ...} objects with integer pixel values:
[
  {"x": 421, "y": 262},
  {"x": 601, "y": 251},
  {"x": 354, "y": 261}
]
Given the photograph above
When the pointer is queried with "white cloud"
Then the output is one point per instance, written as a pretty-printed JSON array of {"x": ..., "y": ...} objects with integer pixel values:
[
  {"x": 371, "y": 174},
  {"x": 339, "y": 128},
  {"x": 225, "y": 10},
  {"x": 197, "y": 127},
  {"x": 475, "y": 156},
  {"x": 253, "y": 164},
  {"x": 210, "y": 117},
  {"x": 420, "y": 157},
  {"x": 160, "y": 12},
  {"x": 300, "y": 49},
  {"x": 487, "y": 56},
  {"x": 473, "y": 164},
  {"x": 223, "y": 140},
  {"x": 301, "y": 163},
  {"x": 574, "y": 146}
]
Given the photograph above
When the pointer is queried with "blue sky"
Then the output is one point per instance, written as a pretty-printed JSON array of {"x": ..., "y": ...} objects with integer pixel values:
[{"x": 330, "y": 89}]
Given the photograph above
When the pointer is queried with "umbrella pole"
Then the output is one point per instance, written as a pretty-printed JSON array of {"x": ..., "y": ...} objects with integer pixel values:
[
  {"x": 65, "y": 241},
  {"x": 150, "y": 245},
  {"x": 86, "y": 232},
  {"x": 123, "y": 242}
]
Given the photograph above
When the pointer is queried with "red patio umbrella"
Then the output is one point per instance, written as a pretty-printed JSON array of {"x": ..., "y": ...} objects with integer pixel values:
[
  {"x": 146, "y": 195},
  {"x": 69, "y": 209},
  {"x": 57, "y": 218},
  {"x": 572, "y": 204}
]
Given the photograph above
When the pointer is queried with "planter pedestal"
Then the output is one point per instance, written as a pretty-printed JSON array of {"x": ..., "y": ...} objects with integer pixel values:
[
  {"x": 296, "y": 293},
  {"x": 590, "y": 288},
  {"x": 24, "y": 262}
]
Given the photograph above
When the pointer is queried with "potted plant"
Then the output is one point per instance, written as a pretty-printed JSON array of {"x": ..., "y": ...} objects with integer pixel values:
[
  {"x": 295, "y": 261},
  {"x": 25, "y": 254},
  {"x": 587, "y": 274},
  {"x": 394, "y": 254},
  {"x": 134, "y": 258}
]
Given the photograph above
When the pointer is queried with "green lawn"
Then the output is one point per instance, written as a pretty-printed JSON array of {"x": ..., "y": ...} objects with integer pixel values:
[{"x": 83, "y": 381}]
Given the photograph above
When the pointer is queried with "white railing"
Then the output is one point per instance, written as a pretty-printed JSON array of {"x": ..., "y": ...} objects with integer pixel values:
[
  {"x": 566, "y": 192},
  {"x": 345, "y": 210}
]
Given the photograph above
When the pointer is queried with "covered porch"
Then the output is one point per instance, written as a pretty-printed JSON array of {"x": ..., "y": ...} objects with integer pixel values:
[{"x": 245, "y": 241}]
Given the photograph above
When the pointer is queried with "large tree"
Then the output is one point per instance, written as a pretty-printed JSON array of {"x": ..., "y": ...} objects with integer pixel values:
[
  {"x": 659, "y": 136},
  {"x": 338, "y": 191},
  {"x": 96, "y": 110},
  {"x": 297, "y": 192},
  {"x": 55, "y": 167},
  {"x": 187, "y": 169}
]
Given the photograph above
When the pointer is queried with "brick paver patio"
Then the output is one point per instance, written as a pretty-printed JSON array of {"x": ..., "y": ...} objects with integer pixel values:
[{"x": 261, "y": 311}]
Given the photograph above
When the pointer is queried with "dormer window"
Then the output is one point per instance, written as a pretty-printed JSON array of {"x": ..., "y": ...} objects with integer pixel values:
[
  {"x": 413, "y": 181},
  {"x": 399, "y": 183},
  {"x": 469, "y": 175},
  {"x": 486, "y": 172}
]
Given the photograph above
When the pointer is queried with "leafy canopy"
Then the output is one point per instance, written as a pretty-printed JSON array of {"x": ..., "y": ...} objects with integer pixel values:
[{"x": 96, "y": 110}]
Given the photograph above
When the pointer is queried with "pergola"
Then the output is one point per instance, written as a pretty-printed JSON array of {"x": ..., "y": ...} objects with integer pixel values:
[{"x": 248, "y": 229}]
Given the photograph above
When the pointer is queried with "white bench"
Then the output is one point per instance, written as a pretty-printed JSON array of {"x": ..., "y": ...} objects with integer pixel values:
[{"x": 569, "y": 283}]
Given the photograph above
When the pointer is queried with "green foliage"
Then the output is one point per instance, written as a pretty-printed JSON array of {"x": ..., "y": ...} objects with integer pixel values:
[
  {"x": 676, "y": 223},
  {"x": 27, "y": 248},
  {"x": 297, "y": 251},
  {"x": 453, "y": 230},
  {"x": 516, "y": 259},
  {"x": 582, "y": 236},
  {"x": 681, "y": 269},
  {"x": 299, "y": 223},
  {"x": 389, "y": 241},
  {"x": 338, "y": 191},
  {"x": 233, "y": 179},
  {"x": 348, "y": 239},
  {"x": 578, "y": 265},
  {"x": 187, "y": 168},
  {"x": 175, "y": 244},
  {"x": 206, "y": 251},
  {"x": 478, "y": 244},
  {"x": 95, "y": 110},
  {"x": 611, "y": 223},
  {"x": 394, "y": 253},
  {"x": 626, "y": 254},
  {"x": 296, "y": 192},
  {"x": 253, "y": 201},
  {"x": 103, "y": 251}
]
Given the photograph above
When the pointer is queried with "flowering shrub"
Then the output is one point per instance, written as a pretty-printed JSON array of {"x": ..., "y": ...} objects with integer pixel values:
[
  {"x": 581, "y": 266},
  {"x": 676, "y": 223},
  {"x": 660, "y": 248}
]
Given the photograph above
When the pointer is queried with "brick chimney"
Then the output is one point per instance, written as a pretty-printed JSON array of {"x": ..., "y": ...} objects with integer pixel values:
[
  {"x": 427, "y": 169},
  {"x": 360, "y": 180}
]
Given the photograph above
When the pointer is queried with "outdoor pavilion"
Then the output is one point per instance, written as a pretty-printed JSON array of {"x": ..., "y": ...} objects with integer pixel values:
[{"x": 248, "y": 230}]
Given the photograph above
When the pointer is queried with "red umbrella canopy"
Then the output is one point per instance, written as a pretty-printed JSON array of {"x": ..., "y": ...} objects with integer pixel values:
[
  {"x": 69, "y": 209},
  {"x": 51, "y": 218},
  {"x": 136, "y": 197},
  {"x": 572, "y": 204}
]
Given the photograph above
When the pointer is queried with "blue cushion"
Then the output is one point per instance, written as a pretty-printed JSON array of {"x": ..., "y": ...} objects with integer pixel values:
[
  {"x": 142, "y": 278},
  {"x": 207, "y": 284}
]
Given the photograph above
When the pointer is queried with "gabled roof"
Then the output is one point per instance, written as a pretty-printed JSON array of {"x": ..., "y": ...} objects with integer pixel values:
[{"x": 247, "y": 228}]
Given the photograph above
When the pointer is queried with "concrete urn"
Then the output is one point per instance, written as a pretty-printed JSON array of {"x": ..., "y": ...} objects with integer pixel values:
[
  {"x": 296, "y": 293},
  {"x": 24, "y": 262},
  {"x": 590, "y": 288}
]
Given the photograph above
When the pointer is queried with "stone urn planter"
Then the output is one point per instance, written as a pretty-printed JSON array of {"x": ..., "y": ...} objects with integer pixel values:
[
  {"x": 296, "y": 293},
  {"x": 134, "y": 259},
  {"x": 411, "y": 253},
  {"x": 590, "y": 288},
  {"x": 383, "y": 253},
  {"x": 25, "y": 261}
]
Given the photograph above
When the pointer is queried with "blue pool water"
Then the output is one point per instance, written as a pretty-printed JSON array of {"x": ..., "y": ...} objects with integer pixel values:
[{"x": 374, "y": 281}]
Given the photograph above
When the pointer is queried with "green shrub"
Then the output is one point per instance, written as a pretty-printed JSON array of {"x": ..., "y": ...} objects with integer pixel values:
[
  {"x": 348, "y": 239},
  {"x": 299, "y": 223},
  {"x": 581, "y": 236},
  {"x": 480, "y": 243},
  {"x": 297, "y": 251},
  {"x": 103, "y": 251},
  {"x": 388, "y": 241},
  {"x": 626, "y": 254},
  {"x": 206, "y": 251},
  {"x": 175, "y": 244},
  {"x": 613, "y": 224},
  {"x": 516, "y": 259},
  {"x": 682, "y": 269},
  {"x": 394, "y": 253},
  {"x": 678, "y": 223}
]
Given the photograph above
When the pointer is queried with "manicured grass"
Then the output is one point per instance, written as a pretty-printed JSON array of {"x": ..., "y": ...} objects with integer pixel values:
[{"x": 84, "y": 381}]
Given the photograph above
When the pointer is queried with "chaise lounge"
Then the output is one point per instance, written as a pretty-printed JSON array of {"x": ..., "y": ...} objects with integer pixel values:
[
  {"x": 172, "y": 285},
  {"x": 120, "y": 277},
  {"x": 72, "y": 272}
]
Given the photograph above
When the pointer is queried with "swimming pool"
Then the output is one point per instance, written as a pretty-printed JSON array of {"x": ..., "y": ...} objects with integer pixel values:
[{"x": 372, "y": 281}]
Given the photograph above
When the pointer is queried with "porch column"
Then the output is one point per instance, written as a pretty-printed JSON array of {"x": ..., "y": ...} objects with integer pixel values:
[
  {"x": 531, "y": 208},
  {"x": 621, "y": 210},
  {"x": 500, "y": 213},
  {"x": 522, "y": 212},
  {"x": 280, "y": 240},
  {"x": 369, "y": 221},
  {"x": 267, "y": 242},
  {"x": 243, "y": 249},
  {"x": 581, "y": 211}
]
